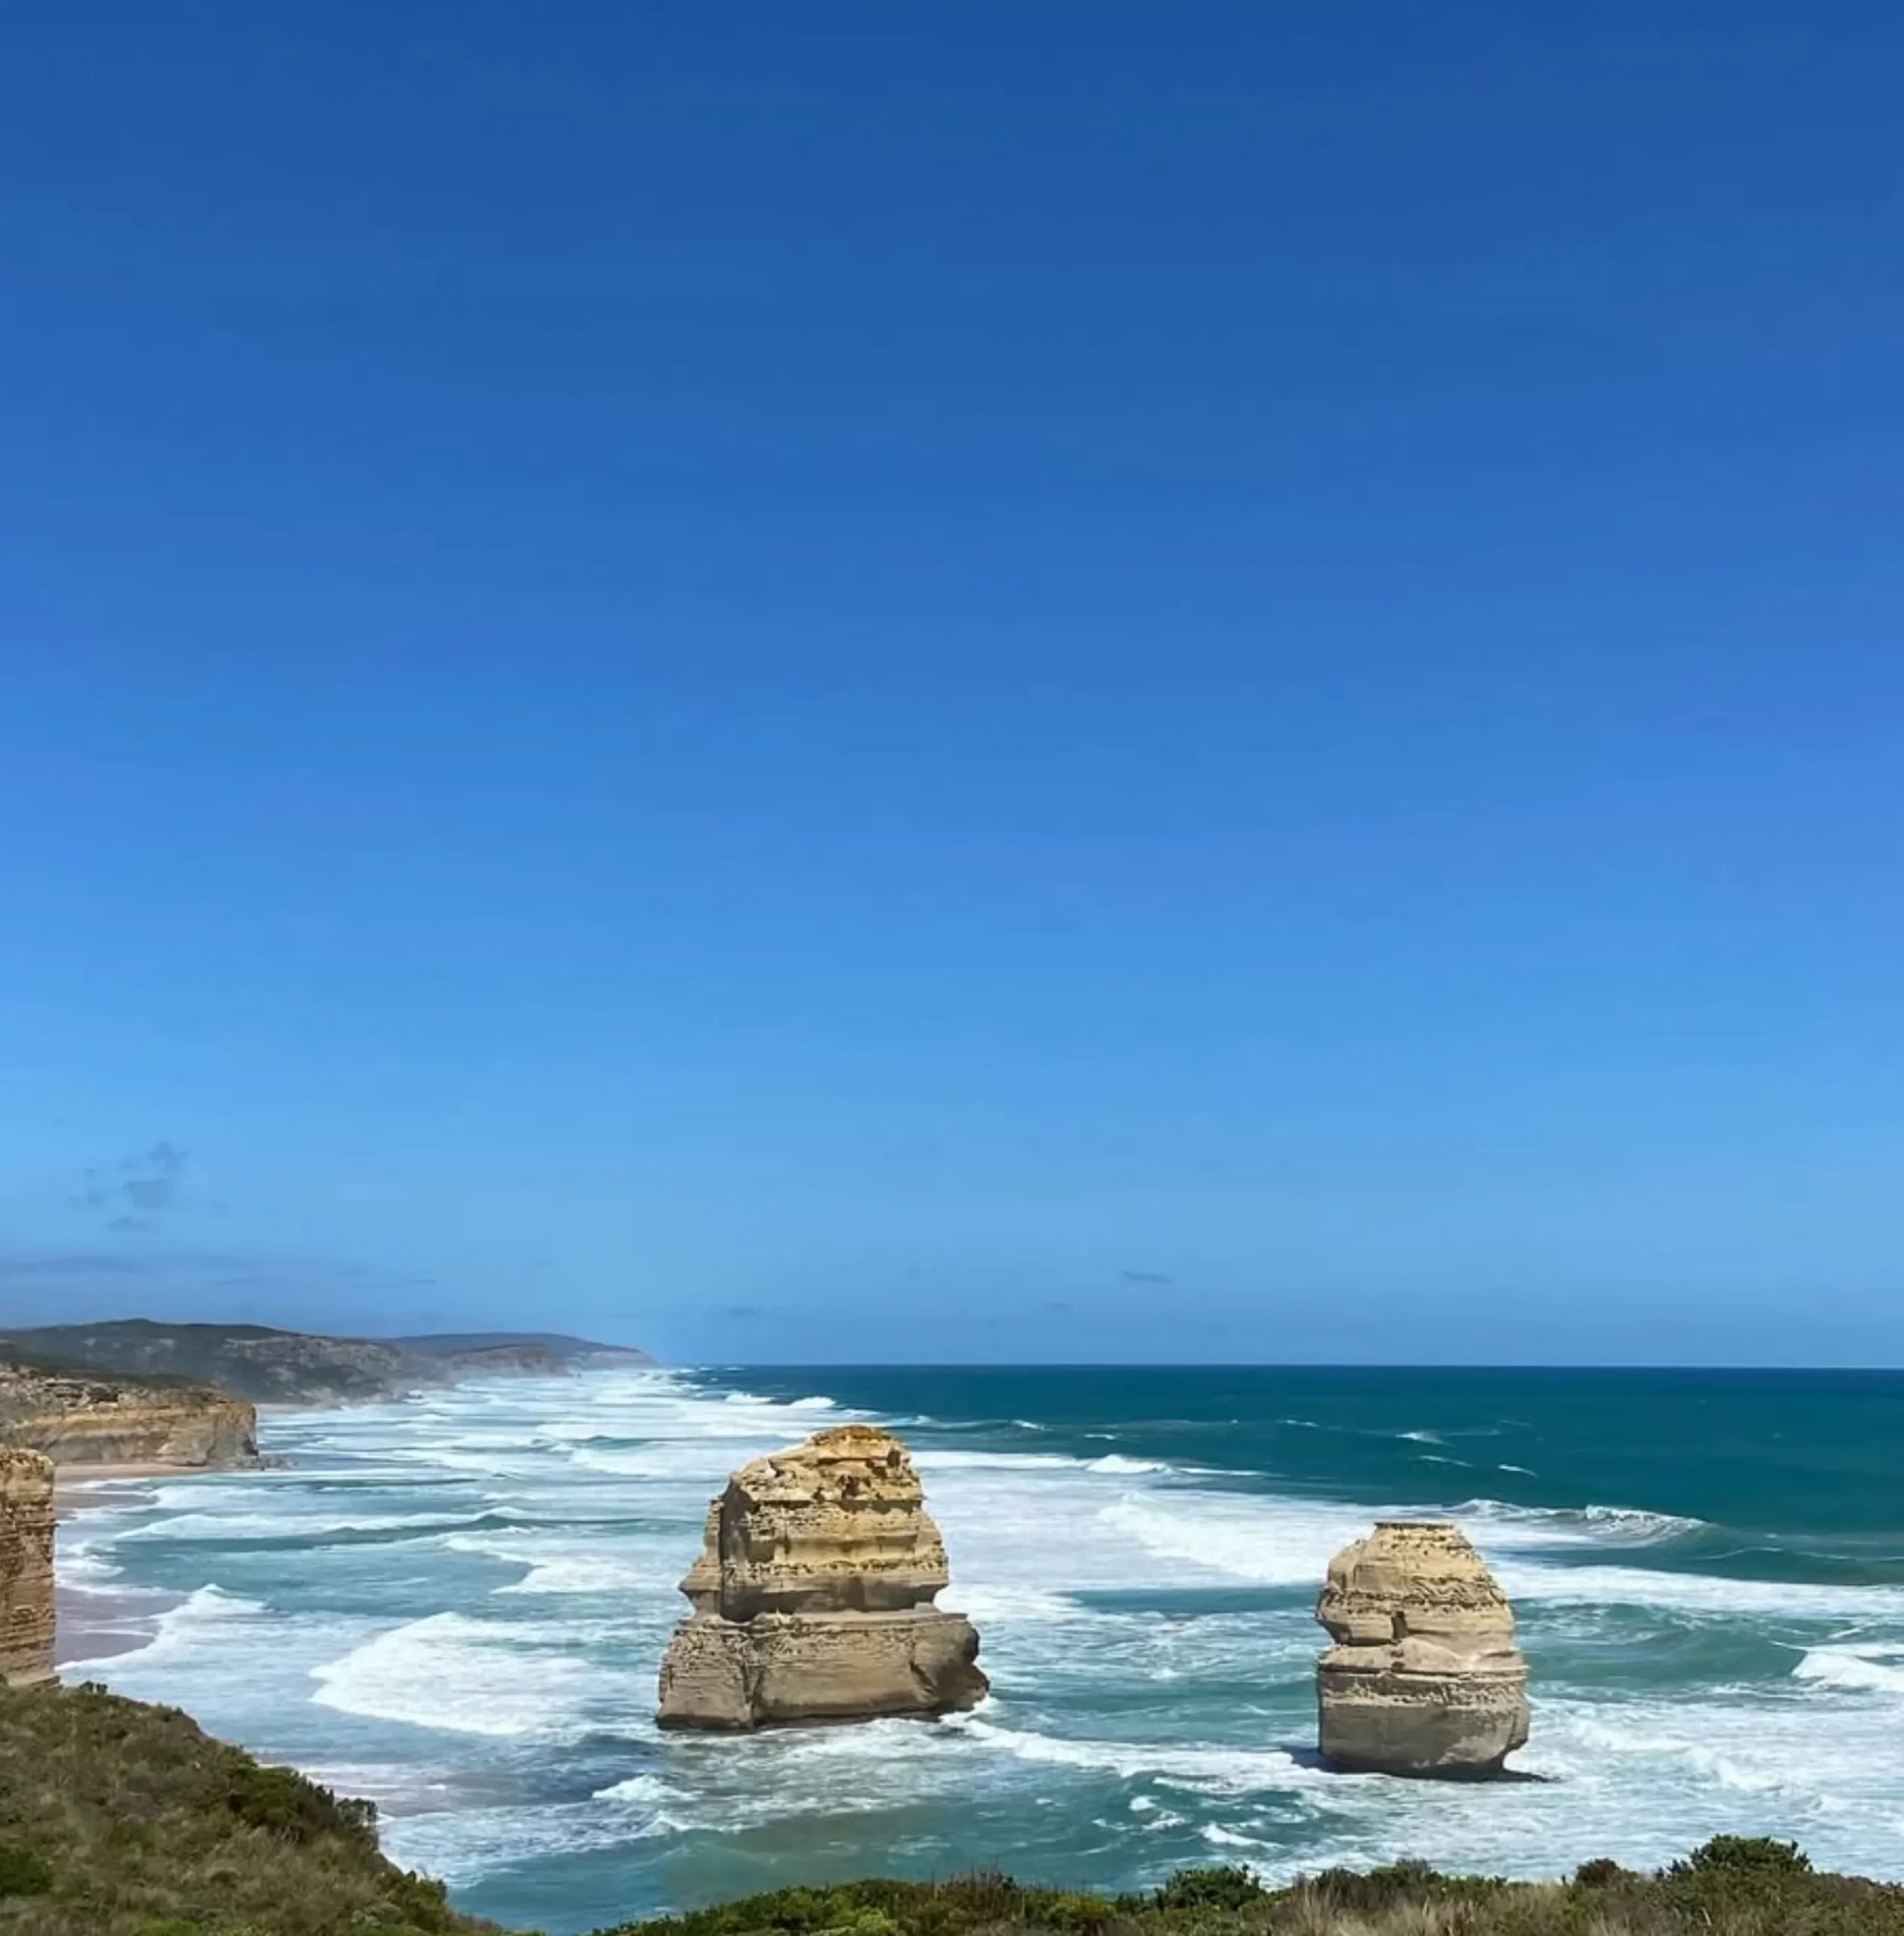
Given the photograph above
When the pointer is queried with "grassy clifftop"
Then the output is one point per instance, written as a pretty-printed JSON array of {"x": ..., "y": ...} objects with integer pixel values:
[
  {"x": 1732, "y": 1887},
  {"x": 117, "y": 1819}
]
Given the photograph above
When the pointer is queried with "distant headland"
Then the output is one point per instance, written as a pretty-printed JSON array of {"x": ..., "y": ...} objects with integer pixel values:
[{"x": 139, "y": 1391}]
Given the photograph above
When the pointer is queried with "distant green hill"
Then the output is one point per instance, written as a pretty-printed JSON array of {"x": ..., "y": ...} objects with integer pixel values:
[
  {"x": 447, "y": 1343},
  {"x": 268, "y": 1367}
]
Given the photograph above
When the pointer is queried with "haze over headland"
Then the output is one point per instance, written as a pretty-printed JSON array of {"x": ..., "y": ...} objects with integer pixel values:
[{"x": 855, "y": 686}]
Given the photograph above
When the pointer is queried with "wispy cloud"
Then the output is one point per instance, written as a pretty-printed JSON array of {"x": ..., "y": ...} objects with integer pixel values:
[
  {"x": 70, "y": 1265},
  {"x": 135, "y": 1196},
  {"x": 1147, "y": 1277},
  {"x": 157, "y": 1272}
]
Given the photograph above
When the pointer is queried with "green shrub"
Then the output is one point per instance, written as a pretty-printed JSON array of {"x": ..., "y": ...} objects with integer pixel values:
[
  {"x": 280, "y": 1801},
  {"x": 1075, "y": 1912},
  {"x": 24, "y": 1873},
  {"x": 1373, "y": 1891},
  {"x": 1226, "y": 1887},
  {"x": 1745, "y": 1855},
  {"x": 864, "y": 1921}
]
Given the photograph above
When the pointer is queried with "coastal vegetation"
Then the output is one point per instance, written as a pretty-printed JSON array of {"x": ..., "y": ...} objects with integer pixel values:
[
  {"x": 1733, "y": 1886},
  {"x": 118, "y": 1819}
]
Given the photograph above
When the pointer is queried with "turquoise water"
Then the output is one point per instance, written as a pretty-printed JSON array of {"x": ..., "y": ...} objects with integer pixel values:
[{"x": 456, "y": 1604}]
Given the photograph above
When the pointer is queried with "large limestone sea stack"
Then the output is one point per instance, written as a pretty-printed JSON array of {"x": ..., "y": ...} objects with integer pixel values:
[
  {"x": 1425, "y": 1677},
  {"x": 813, "y": 1596}
]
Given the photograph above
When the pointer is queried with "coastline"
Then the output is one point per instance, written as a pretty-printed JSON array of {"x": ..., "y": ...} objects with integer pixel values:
[
  {"x": 456, "y": 1607},
  {"x": 98, "y": 1623}
]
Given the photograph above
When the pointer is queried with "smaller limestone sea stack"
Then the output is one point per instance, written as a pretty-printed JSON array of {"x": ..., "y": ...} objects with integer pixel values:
[
  {"x": 813, "y": 1596},
  {"x": 1425, "y": 1677},
  {"x": 25, "y": 1568}
]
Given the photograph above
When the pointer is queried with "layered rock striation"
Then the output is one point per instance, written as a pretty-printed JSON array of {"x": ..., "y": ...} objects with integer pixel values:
[
  {"x": 813, "y": 1597},
  {"x": 25, "y": 1568},
  {"x": 1425, "y": 1677},
  {"x": 76, "y": 1419}
]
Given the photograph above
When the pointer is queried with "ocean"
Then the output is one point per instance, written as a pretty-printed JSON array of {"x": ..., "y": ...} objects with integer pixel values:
[{"x": 456, "y": 1604}]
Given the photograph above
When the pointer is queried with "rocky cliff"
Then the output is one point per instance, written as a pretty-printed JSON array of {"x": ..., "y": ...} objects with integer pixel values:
[
  {"x": 78, "y": 1418},
  {"x": 25, "y": 1568},
  {"x": 813, "y": 1596},
  {"x": 1425, "y": 1677}
]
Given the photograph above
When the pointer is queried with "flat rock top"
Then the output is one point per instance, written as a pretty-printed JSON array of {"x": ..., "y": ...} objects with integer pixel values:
[
  {"x": 1415, "y": 1558},
  {"x": 845, "y": 1465}
]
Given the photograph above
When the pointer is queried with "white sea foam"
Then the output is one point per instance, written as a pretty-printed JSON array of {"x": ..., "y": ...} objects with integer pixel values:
[
  {"x": 181, "y": 1627},
  {"x": 985, "y": 1605},
  {"x": 87, "y": 1573},
  {"x": 658, "y": 1463},
  {"x": 397, "y": 1787},
  {"x": 464, "y": 1846},
  {"x": 1116, "y": 1462},
  {"x": 578, "y": 1573},
  {"x": 1234, "y": 1769},
  {"x": 938, "y": 1459},
  {"x": 1640, "y": 1527},
  {"x": 818, "y": 1403},
  {"x": 221, "y": 1527},
  {"x": 1236, "y": 1535},
  {"x": 555, "y": 1564},
  {"x": 1698, "y": 1592},
  {"x": 643, "y": 1790},
  {"x": 1866, "y": 1670},
  {"x": 469, "y": 1676},
  {"x": 1496, "y": 1522}
]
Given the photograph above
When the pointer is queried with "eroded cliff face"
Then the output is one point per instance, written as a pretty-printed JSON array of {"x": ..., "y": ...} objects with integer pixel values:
[
  {"x": 813, "y": 1596},
  {"x": 1426, "y": 1676},
  {"x": 79, "y": 1420},
  {"x": 25, "y": 1568}
]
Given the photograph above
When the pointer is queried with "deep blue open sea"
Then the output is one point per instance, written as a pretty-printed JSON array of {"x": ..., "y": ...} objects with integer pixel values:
[{"x": 456, "y": 1605}]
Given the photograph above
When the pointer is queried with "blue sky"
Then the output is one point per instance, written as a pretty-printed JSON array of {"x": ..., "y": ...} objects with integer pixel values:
[{"x": 1030, "y": 682}]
